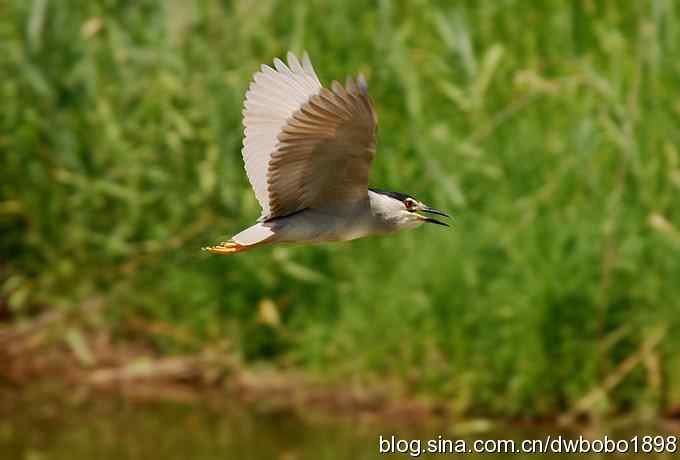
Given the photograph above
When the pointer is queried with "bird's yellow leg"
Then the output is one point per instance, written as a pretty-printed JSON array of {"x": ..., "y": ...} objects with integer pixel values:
[{"x": 227, "y": 248}]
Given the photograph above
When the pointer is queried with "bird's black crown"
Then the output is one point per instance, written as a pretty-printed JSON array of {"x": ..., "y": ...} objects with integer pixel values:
[{"x": 396, "y": 195}]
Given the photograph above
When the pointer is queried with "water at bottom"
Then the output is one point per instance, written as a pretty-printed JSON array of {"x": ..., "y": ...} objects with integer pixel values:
[{"x": 109, "y": 428}]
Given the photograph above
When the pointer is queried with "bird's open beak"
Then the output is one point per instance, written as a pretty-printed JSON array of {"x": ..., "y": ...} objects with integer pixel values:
[{"x": 434, "y": 211}]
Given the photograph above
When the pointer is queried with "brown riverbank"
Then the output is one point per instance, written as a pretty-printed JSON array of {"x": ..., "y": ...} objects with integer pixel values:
[{"x": 56, "y": 352}]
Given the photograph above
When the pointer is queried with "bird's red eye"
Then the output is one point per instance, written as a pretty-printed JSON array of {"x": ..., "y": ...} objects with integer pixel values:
[{"x": 410, "y": 204}]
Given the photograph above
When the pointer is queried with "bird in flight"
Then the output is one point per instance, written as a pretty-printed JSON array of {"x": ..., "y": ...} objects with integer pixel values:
[{"x": 307, "y": 152}]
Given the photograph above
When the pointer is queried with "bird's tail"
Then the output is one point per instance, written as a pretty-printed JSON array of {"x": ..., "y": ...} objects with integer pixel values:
[{"x": 248, "y": 239}]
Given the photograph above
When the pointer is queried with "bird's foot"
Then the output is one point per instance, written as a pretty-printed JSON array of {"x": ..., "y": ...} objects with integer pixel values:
[{"x": 226, "y": 248}]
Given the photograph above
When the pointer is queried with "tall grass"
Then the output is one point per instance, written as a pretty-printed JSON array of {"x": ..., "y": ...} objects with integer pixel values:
[{"x": 550, "y": 131}]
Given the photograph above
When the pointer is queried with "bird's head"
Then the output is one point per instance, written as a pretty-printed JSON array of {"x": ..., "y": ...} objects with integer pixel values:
[{"x": 402, "y": 210}]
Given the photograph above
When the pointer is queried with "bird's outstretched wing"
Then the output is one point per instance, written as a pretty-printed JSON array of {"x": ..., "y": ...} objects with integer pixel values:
[{"x": 306, "y": 146}]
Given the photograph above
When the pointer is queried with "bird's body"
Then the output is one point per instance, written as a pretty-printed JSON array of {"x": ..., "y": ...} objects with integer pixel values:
[{"x": 307, "y": 153}]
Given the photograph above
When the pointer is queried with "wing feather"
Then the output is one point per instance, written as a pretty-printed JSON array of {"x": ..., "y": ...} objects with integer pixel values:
[
  {"x": 324, "y": 152},
  {"x": 272, "y": 98},
  {"x": 306, "y": 145}
]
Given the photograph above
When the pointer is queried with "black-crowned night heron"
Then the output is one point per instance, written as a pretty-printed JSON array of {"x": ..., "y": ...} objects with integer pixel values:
[{"x": 308, "y": 152}]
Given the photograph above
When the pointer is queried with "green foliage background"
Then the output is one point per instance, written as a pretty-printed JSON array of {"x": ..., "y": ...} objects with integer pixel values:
[{"x": 549, "y": 129}]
